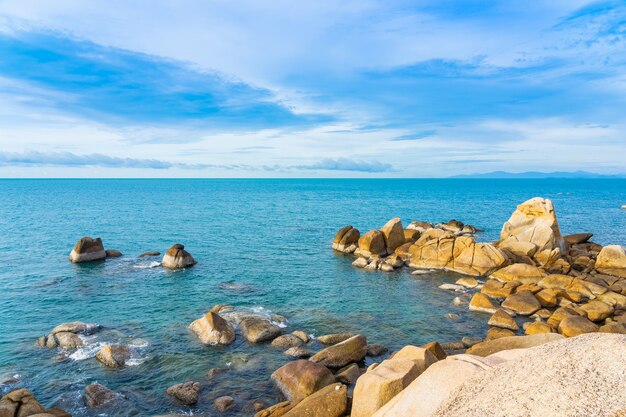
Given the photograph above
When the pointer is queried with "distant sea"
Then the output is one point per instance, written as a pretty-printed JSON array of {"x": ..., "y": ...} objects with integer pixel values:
[{"x": 263, "y": 244}]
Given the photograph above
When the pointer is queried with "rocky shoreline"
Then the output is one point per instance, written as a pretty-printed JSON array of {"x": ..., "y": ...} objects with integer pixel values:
[{"x": 550, "y": 301}]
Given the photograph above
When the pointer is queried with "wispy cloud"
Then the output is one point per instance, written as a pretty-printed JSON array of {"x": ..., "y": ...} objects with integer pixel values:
[
  {"x": 416, "y": 135},
  {"x": 346, "y": 164}
]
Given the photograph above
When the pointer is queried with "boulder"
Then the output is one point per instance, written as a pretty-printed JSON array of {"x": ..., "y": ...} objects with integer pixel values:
[
  {"x": 114, "y": 356},
  {"x": 360, "y": 262},
  {"x": 514, "y": 342},
  {"x": 177, "y": 257},
  {"x": 298, "y": 352},
  {"x": 277, "y": 410},
  {"x": 20, "y": 403},
  {"x": 436, "y": 349},
  {"x": 522, "y": 302},
  {"x": 286, "y": 341},
  {"x": 97, "y": 395},
  {"x": 520, "y": 249},
  {"x": 572, "y": 326},
  {"x": 411, "y": 235},
  {"x": 223, "y": 403},
  {"x": 346, "y": 239},
  {"x": 187, "y": 393},
  {"x": 519, "y": 272},
  {"x": 334, "y": 338},
  {"x": 65, "y": 335},
  {"x": 353, "y": 349},
  {"x": 420, "y": 226},
  {"x": 301, "y": 378},
  {"x": 65, "y": 340},
  {"x": 478, "y": 259},
  {"x": 503, "y": 320},
  {"x": 597, "y": 310},
  {"x": 376, "y": 349},
  {"x": 612, "y": 261},
  {"x": 422, "y": 357},
  {"x": 467, "y": 282},
  {"x": 498, "y": 333},
  {"x": 348, "y": 374},
  {"x": 565, "y": 282},
  {"x": 256, "y": 329},
  {"x": 113, "y": 253},
  {"x": 577, "y": 238},
  {"x": 538, "y": 327},
  {"x": 376, "y": 387},
  {"x": 481, "y": 303},
  {"x": 548, "y": 297},
  {"x": 302, "y": 336},
  {"x": 330, "y": 401},
  {"x": 146, "y": 254},
  {"x": 613, "y": 327},
  {"x": 372, "y": 243},
  {"x": 212, "y": 329},
  {"x": 394, "y": 234},
  {"x": 560, "y": 313},
  {"x": 88, "y": 250},
  {"x": 497, "y": 289}
]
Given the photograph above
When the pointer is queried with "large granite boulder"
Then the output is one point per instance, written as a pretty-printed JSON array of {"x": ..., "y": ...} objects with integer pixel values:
[
  {"x": 87, "y": 250},
  {"x": 257, "y": 329},
  {"x": 353, "y": 349},
  {"x": 522, "y": 302},
  {"x": 612, "y": 261},
  {"x": 420, "y": 356},
  {"x": 513, "y": 342},
  {"x": 20, "y": 403},
  {"x": 177, "y": 257},
  {"x": 187, "y": 393},
  {"x": 346, "y": 239},
  {"x": 330, "y": 401},
  {"x": 372, "y": 243},
  {"x": 503, "y": 320},
  {"x": 212, "y": 329},
  {"x": 114, "y": 355},
  {"x": 479, "y": 259},
  {"x": 301, "y": 378},
  {"x": 572, "y": 326},
  {"x": 524, "y": 273},
  {"x": 376, "y": 387},
  {"x": 394, "y": 234}
]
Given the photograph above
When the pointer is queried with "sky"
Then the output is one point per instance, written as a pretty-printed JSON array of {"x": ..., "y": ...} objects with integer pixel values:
[{"x": 276, "y": 88}]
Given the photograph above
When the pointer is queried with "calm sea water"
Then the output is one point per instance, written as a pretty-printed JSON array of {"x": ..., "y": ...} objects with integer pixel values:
[{"x": 259, "y": 243}]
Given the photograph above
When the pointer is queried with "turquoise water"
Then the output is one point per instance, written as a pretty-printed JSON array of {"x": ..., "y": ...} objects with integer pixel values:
[{"x": 259, "y": 243}]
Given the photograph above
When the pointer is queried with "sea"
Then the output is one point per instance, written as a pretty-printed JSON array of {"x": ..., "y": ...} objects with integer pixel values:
[{"x": 261, "y": 244}]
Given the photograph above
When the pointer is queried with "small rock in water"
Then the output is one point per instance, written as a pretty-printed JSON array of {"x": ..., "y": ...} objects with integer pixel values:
[
  {"x": 187, "y": 393},
  {"x": 143, "y": 255},
  {"x": 453, "y": 316},
  {"x": 114, "y": 356},
  {"x": 215, "y": 372},
  {"x": 258, "y": 405},
  {"x": 224, "y": 403},
  {"x": 376, "y": 349},
  {"x": 177, "y": 257},
  {"x": 298, "y": 352},
  {"x": 286, "y": 341},
  {"x": 97, "y": 395},
  {"x": 302, "y": 336},
  {"x": 421, "y": 271},
  {"x": 334, "y": 338},
  {"x": 88, "y": 250},
  {"x": 113, "y": 253},
  {"x": 451, "y": 287},
  {"x": 470, "y": 341}
]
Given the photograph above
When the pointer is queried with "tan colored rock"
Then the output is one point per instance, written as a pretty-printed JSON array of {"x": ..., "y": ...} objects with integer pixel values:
[
  {"x": 480, "y": 302},
  {"x": 498, "y": 333},
  {"x": 597, "y": 310},
  {"x": 212, "y": 329},
  {"x": 348, "y": 374},
  {"x": 586, "y": 288},
  {"x": 613, "y": 327},
  {"x": 577, "y": 238},
  {"x": 560, "y": 313},
  {"x": 467, "y": 282},
  {"x": 519, "y": 272},
  {"x": 612, "y": 261},
  {"x": 301, "y": 378},
  {"x": 334, "y": 338},
  {"x": 298, "y": 352},
  {"x": 515, "y": 342},
  {"x": 517, "y": 247},
  {"x": 548, "y": 297},
  {"x": 286, "y": 341},
  {"x": 360, "y": 262},
  {"x": 257, "y": 330},
  {"x": 572, "y": 326},
  {"x": 497, "y": 289},
  {"x": 20, "y": 402},
  {"x": 523, "y": 303},
  {"x": 353, "y": 349},
  {"x": 422, "y": 357},
  {"x": 372, "y": 243},
  {"x": 177, "y": 257},
  {"x": 346, "y": 239},
  {"x": 479, "y": 259},
  {"x": 436, "y": 349},
  {"x": 375, "y": 388},
  {"x": 114, "y": 355},
  {"x": 411, "y": 235},
  {"x": 88, "y": 250},
  {"x": 394, "y": 234},
  {"x": 613, "y": 299},
  {"x": 97, "y": 395},
  {"x": 330, "y": 401},
  {"x": 503, "y": 320},
  {"x": 538, "y": 327},
  {"x": 187, "y": 393}
]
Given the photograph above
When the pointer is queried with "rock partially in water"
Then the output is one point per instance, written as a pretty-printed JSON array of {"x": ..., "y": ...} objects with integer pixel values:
[
  {"x": 177, "y": 257},
  {"x": 114, "y": 356},
  {"x": 393, "y": 233},
  {"x": 286, "y": 341},
  {"x": 88, "y": 250},
  {"x": 302, "y": 336},
  {"x": 348, "y": 374},
  {"x": 346, "y": 239},
  {"x": 224, "y": 403},
  {"x": 353, "y": 349},
  {"x": 145, "y": 254},
  {"x": 481, "y": 303},
  {"x": 334, "y": 338},
  {"x": 301, "y": 378},
  {"x": 212, "y": 329},
  {"x": 187, "y": 393},
  {"x": 65, "y": 335},
  {"x": 257, "y": 330},
  {"x": 113, "y": 253},
  {"x": 298, "y": 352},
  {"x": 376, "y": 349},
  {"x": 97, "y": 395},
  {"x": 20, "y": 403},
  {"x": 373, "y": 243}
]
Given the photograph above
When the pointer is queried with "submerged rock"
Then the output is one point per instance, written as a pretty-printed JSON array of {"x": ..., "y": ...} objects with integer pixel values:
[
  {"x": 177, "y": 257},
  {"x": 212, "y": 329},
  {"x": 145, "y": 254},
  {"x": 187, "y": 393},
  {"x": 87, "y": 250},
  {"x": 97, "y": 395},
  {"x": 298, "y": 352},
  {"x": 287, "y": 341},
  {"x": 224, "y": 403},
  {"x": 113, "y": 253}
]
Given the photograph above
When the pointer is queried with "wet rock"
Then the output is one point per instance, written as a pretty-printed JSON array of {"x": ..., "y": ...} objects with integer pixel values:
[
  {"x": 286, "y": 341},
  {"x": 346, "y": 239},
  {"x": 177, "y": 257},
  {"x": 339, "y": 355},
  {"x": 572, "y": 326},
  {"x": 113, "y": 253},
  {"x": 213, "y": 372},
  {"x": 187, "y": 393},
  {"x": 224, "y": 403},
  {"x": 65, "y": 335},
  {"x": 469, "y": 341},
  {"x": 258, "y": 405},
  {"x": 376, "y": 349},
  {"x": 212, "y": 329},
  {"x": 334, "y": 338},
  {"x": 301, "y": 378},
  {"x": 97, "y": 395},
  {"x": 302, "y": 336},
  {"x": 146, "y": 254},
  {"x": 20, "y": 403},
  {"x": 298, "y": 352},
  {"x": 360, "y": 262},
  {"x": 114, "y": 356},
  {"x": 257, "y": 330},
  {"x": 348, "y": 374},
  {"x": 330, "y": 401},
  {"x": 87, "y": 250},
  {"x": 467, "y": 282}
]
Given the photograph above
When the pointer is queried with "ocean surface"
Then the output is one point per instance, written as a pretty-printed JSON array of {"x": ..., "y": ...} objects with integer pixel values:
[{"x": 262, "y": 244}]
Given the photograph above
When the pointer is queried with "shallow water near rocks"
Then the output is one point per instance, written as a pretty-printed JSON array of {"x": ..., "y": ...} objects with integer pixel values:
[{"x": 259, "y": 244}]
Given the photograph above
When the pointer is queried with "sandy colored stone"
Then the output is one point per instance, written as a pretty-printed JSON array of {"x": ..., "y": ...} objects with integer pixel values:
[
  {"x": 212, "y": 329},
  {"x": 177, "y": 257},
  {"x": 612, "y": 261},
  {"x": 560, "y": 313},
  {"x": 372, "y": 243},
  {"x": 301, "y": 378},
  {"x": 514, "y": 342},
  {"x": 394, "y": 234},
  {"x": 523, "y": 303},
  {"x": 187, "y": 393},
  {"x": 330, "y": 401},
  {"x": 375, "y": 388},
  {"x": 348, "y": 374},
  {"x": 467, "y": 282},
  {"x": 572, "y": 326},
  {"x": 353, "y": 349},
  {"x": 20, "y": 402},
  {"x": 597, "y": 310},
  {"x": 519, "y": 272},
  {"x": 114, "y": 355},
  {"x": 498, "y": 289},
  {"x": 498, "y": 333},
  {"x": 346, "y": 239},
  {"x": 482, "y": 303},
  {"x": 548, "y": 297},
  {"x": 87, "y": 250},
  {"x": 257, "y": 330},
  {"x": 436, "y": 349},
  {"x": 334, "y": 338},
  {"x": 422, "y": 357},
  {"x": 503, "y": 320},
  {"x": 538, "y": 327}
]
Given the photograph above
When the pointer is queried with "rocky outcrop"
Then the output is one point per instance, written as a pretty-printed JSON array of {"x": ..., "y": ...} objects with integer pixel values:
[
  {"x": 353, "y": 349},
  {"x": 66, "y": 335},
  {"x": 177, "y": 257},
  {"x": 87, "y": 250},
  {"x": 187, "y": 393},
  {"x": 612, "y": 261},
  {"x": 346, "y": 240},
  {"x": 212, "y": 329},
  {"x": 301, "y": 378},
  {"x": 114, "y": 356}
]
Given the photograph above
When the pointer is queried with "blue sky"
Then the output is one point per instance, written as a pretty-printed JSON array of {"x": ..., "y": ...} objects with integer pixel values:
[{"x": 319, "y": 89}]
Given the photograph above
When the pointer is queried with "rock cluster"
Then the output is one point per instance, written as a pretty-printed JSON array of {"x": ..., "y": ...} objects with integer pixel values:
[{"x": 66, "y": 335}]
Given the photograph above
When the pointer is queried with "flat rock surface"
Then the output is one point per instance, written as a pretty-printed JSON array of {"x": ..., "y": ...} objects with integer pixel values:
[{"x": 573, "y": 377}]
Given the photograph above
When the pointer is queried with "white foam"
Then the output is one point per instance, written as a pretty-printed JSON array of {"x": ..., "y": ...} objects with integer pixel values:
[{"x": 153, "y": 264}]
